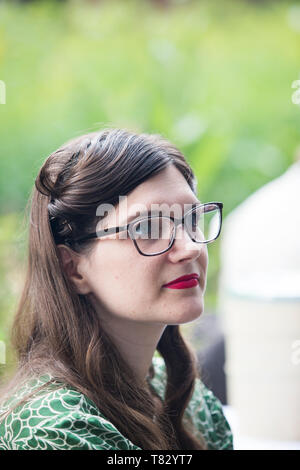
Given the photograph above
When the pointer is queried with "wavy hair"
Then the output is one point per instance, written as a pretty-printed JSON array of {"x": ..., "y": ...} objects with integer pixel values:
[{"x": 57, "y": 330}]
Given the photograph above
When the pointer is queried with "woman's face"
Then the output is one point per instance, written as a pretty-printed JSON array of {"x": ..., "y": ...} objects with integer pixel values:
[{"x": 124, "y": 285}]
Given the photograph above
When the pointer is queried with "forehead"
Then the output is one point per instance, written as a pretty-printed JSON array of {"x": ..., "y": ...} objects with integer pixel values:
[
  {"x": 163, "y": 187},
  {"x": 167, "y": 188}
]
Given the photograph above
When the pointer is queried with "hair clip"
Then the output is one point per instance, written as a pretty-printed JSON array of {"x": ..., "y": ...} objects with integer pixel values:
[{"x": 65, "y": 222}]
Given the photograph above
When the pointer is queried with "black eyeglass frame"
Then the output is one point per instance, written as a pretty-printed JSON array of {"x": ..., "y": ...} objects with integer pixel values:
[{"x": 128, "y": 227}]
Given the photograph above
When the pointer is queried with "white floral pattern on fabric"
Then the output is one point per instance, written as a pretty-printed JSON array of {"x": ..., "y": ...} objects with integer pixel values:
[{"x": 59, "y": 417}]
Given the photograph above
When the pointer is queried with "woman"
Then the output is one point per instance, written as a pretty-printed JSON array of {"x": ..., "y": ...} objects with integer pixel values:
[{"x": 102, "y": 363}]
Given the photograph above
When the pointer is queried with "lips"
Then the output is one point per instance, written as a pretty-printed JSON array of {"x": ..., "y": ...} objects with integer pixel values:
[{"x": 187, "y": 277}]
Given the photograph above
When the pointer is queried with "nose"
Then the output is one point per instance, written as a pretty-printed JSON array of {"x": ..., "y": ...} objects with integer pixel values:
[{"x": 184, "y": 245}]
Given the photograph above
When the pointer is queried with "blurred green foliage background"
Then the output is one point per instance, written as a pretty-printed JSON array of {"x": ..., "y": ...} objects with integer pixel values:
[{"x": 215, "y": 77}]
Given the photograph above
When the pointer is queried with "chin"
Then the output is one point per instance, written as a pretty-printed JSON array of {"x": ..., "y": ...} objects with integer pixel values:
[{"x": 188, "y": 315}]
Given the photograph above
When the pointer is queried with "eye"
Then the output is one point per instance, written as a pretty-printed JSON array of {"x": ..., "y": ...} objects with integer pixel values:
[
  {"x": 153, "y": 228},
  {"x": 195, "y": 219},
  {"x": 143, "y": 228}
]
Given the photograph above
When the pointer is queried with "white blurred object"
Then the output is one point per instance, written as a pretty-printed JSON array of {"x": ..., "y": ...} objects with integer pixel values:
[
  {"x": 250, "y": 443},
  {"x": 259, "y": 299}
]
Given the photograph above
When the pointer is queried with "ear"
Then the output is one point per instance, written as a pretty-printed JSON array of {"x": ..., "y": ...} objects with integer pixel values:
[{"x": 72, "y": 265}]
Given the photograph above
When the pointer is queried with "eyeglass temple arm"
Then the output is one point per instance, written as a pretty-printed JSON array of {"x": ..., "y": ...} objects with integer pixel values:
[{"x": 103, "y": 233}]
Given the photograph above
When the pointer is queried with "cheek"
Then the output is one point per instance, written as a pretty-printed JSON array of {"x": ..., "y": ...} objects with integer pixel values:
[
  {"x": 122, "y": 283},
  {"x": 204, "y": 266},
  {"x": 205, "y": 257}
]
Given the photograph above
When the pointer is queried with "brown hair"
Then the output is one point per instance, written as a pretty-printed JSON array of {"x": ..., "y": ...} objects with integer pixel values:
[{"x": 57, "y": 330}]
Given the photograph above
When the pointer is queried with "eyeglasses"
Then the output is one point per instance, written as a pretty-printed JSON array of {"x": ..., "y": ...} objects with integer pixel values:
[{"x": 155, "y": 234}]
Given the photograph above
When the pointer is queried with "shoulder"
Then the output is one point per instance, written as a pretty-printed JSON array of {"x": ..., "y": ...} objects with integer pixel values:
[
  {"x": 58, "y": 417},
  {"x": 204, "y": 409}
]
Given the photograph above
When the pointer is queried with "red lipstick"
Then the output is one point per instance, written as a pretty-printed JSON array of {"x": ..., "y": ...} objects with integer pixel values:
[{"x": 183, "y": 282}]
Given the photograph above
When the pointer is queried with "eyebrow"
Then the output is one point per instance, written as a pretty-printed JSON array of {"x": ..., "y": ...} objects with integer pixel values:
[
  {"x": 142, "y": 214},
  {"x": 156, "y": 212}
]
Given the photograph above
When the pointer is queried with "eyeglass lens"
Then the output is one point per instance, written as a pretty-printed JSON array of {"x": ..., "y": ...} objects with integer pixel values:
[{"x": 154, "y": 234}]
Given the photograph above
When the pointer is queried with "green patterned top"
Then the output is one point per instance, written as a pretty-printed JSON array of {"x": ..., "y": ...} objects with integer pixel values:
[{"x": 63, "y": 418}]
